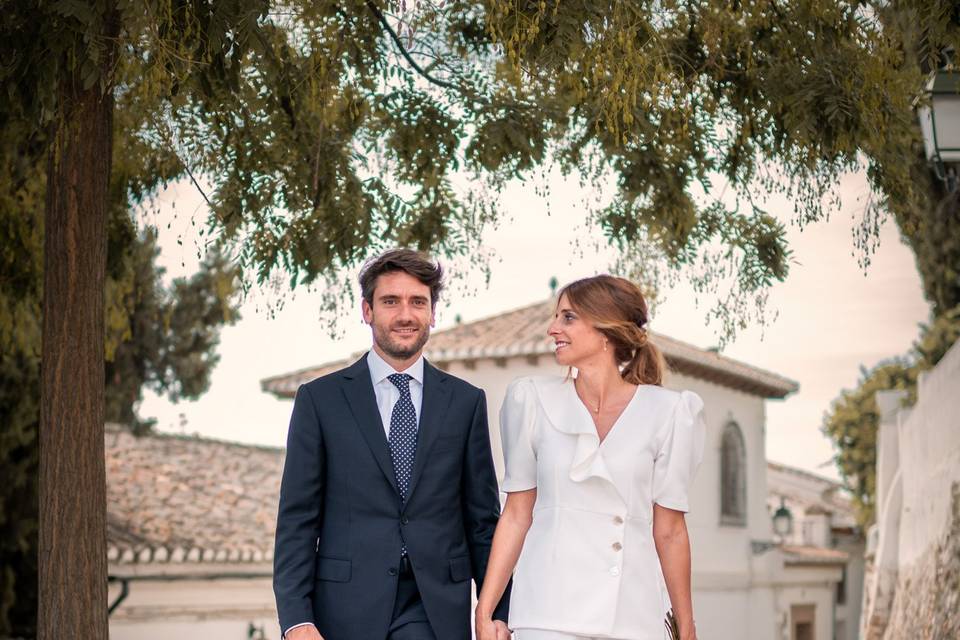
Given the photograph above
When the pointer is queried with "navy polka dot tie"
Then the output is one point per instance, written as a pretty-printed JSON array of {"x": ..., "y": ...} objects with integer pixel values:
[{"x": 403, "y": 433}]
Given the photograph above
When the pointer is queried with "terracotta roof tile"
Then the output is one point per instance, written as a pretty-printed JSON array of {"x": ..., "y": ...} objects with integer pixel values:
[
  {"x": 180, "y": 499},
  {"x": 523, "y": 332}
]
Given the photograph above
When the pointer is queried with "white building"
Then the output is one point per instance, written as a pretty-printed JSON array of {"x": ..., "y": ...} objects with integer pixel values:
[
  {"x": 191, "y": 520},
  {"x": 824, "y": 529}
]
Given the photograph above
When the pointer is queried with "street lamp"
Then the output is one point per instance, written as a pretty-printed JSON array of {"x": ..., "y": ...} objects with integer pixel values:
[
  {"x": 940, "y": 122},
  {"x": 782, "y": 521}
]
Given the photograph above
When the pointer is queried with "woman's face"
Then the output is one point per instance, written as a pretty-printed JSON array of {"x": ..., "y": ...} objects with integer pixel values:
[{"x": 575, "y": 338}]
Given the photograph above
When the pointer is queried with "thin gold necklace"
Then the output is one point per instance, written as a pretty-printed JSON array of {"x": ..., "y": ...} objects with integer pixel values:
[{"x": 597, "y": 410}]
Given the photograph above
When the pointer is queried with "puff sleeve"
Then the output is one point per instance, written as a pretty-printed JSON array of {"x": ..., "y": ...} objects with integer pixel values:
[
  {"x": 518, "y": 417},
  {"x": 680, "y": 453}
]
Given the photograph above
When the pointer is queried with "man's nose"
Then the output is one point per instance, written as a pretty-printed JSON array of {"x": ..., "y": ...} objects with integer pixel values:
[{"x": 406, "y": 311}]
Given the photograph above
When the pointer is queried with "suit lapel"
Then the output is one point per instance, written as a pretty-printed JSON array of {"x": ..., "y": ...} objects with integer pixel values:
[
  {"x": 433, "y": 412},
  {"x": 363, "y": 404}
]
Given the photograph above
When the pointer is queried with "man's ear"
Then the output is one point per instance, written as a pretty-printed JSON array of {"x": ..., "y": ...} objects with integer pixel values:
[{"x": 367, "y": 312}]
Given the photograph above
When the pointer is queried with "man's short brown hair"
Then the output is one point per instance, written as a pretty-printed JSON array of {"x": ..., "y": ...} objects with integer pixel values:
[{"x": 409, "y": 261}]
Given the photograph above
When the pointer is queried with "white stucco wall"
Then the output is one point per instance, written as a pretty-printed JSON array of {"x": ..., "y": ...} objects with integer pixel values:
[
  {"x": 930, "y": 457},
  {"x": 202, "y": 609},
  {"x": 813, "y": 590}
]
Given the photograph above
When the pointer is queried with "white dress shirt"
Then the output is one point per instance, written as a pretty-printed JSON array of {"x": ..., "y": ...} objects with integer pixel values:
[
  {"x": 589, "y": 566},
  {"x": 387, "y": 396},
  {"x": 387, "y": 392}
]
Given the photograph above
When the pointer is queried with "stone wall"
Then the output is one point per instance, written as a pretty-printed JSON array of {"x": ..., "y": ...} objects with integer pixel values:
[{"x": 927, "y": 599}]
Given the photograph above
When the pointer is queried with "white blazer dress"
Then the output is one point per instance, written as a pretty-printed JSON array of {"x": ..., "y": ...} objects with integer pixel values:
[{"x": 588, "y": 565}]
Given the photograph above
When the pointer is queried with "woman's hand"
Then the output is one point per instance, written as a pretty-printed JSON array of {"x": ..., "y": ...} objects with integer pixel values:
[
  {"x": 489, "y": 629},
  {"x": 688, "y": 631}
]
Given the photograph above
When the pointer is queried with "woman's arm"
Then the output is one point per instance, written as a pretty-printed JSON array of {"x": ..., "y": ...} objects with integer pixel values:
[
  {"x": 507, "y": 543},
  {"x": 673, "y": 548}
]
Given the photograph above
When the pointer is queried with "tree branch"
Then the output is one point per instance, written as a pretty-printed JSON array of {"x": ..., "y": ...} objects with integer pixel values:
[{"x": 396, "y": 40}]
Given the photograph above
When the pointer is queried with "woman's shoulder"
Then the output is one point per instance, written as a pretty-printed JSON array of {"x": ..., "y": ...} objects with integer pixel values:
[
  {"x": 672, "y": 398},
  {"x": 537, "y": 384},
  {"x": 535, "y": 389}
]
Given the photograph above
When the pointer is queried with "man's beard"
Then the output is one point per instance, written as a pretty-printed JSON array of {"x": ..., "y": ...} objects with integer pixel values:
[{"x": 382, "y": 337}]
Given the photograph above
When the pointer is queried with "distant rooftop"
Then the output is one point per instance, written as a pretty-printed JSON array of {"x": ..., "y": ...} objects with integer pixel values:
[
  {"x": 811, "y": 492},
  {"x": 177, "y": 500},
  {"x": 522, "y": 332}
]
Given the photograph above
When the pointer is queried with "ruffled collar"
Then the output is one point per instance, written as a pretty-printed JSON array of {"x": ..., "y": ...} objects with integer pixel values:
[{"x": 567, "y": 414}]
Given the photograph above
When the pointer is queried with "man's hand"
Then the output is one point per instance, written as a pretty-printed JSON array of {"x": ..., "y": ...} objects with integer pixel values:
[
  {"x": 503, "y": 631},
  {"x": 305, "y": 632}
]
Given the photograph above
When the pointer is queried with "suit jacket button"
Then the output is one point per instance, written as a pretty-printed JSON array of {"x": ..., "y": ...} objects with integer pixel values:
[
  {"x": 405, "y": 520},
  {"x": 392, "y": 571}
]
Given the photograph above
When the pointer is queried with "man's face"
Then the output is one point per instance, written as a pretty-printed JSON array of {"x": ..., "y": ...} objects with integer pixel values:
[{"x": 401, "y": 315}]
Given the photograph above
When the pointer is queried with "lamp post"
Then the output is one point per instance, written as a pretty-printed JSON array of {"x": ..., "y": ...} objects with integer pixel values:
[
  {"x": 940, "y": 123},
  {"x": 782, "y": 521},
  {"x": 782, "y": 527}
]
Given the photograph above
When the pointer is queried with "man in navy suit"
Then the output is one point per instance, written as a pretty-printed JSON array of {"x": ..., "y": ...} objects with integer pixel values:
[{"x": 389, "y": 497}]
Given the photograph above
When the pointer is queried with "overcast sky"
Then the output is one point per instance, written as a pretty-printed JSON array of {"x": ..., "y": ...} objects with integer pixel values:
[{"x": 832, "y": 316}]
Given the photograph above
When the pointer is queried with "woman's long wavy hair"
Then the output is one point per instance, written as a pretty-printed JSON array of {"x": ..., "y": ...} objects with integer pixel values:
[{"x": 616, "y": 308}]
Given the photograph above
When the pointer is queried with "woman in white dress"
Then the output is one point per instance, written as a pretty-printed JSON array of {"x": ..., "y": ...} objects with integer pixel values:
[{"x": 597, "y": 473}]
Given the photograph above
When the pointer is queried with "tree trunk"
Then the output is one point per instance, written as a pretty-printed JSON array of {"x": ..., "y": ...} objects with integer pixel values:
[{"x": 73, "y": 554}]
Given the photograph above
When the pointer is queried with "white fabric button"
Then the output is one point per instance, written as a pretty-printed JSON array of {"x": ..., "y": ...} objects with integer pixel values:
[{"x": 614, "y": 571}]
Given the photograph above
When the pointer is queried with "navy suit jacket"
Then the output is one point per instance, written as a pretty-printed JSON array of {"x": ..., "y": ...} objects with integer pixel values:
[{"x": 340, "y": 525}]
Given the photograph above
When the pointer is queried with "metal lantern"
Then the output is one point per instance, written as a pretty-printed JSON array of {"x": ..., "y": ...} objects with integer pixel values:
[
  {"x": 782, "y": 521},
  {"x": 940, "y": 119}
]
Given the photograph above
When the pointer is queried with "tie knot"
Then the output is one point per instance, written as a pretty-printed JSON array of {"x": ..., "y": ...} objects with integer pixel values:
[{"x": 401, "y": 381}]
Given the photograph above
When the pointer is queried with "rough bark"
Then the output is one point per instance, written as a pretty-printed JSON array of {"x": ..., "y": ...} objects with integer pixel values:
[{"x": 73, "y": 555}]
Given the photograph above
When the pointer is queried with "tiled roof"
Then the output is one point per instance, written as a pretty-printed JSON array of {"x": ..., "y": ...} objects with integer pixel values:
[
  {"x": 804, "y": 555},
  {"x": 522, "y": 332},
  {"x": 176, "y": 499},
  {"x": 803, "y": 473}
]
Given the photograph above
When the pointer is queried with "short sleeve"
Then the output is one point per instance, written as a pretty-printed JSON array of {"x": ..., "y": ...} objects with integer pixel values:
[
  {"x": 518, "y": 417},
  {"x": 681, "y": 451}
]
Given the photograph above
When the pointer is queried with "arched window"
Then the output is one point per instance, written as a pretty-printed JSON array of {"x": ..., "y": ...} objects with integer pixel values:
[{"x": 733, "y": 476}]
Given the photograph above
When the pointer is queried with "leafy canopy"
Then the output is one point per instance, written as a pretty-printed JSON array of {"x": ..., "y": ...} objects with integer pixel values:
[{"x": 330, "y": 130}]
